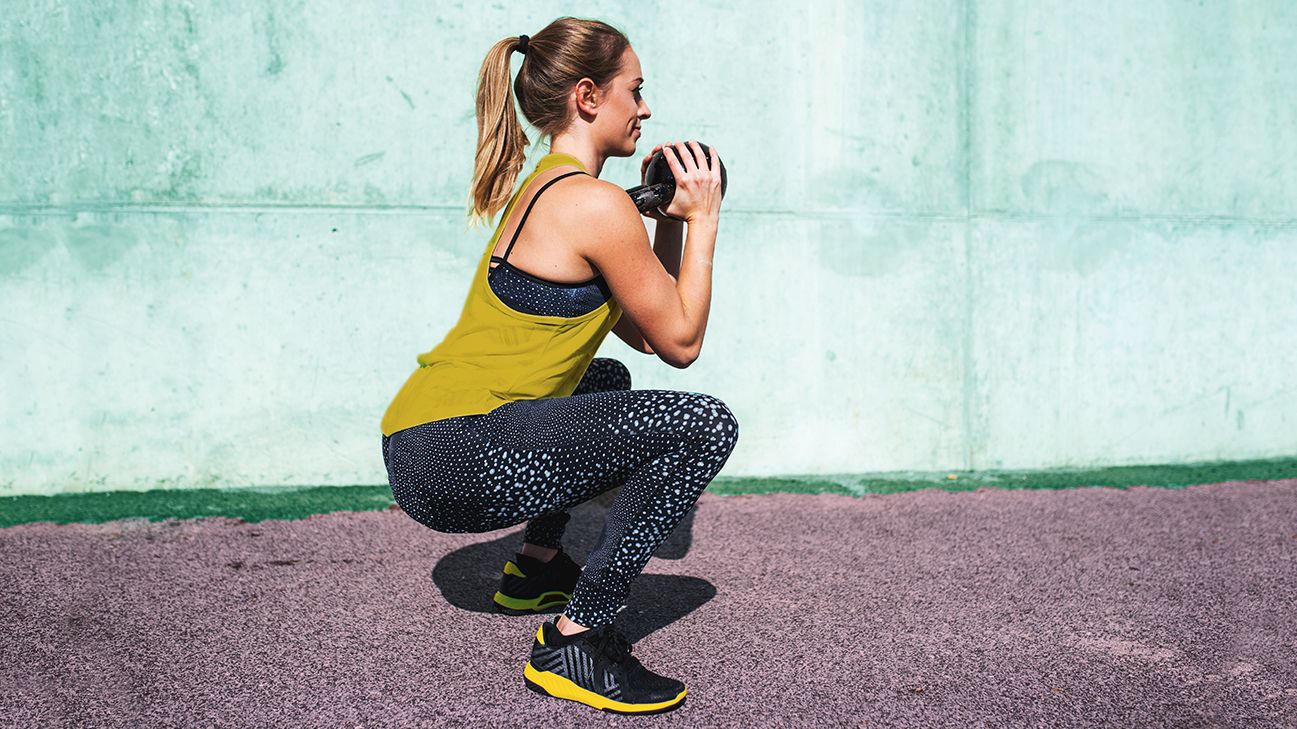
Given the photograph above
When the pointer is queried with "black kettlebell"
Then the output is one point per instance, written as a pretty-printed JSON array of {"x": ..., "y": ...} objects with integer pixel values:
[{"x": 660, "y": 185}]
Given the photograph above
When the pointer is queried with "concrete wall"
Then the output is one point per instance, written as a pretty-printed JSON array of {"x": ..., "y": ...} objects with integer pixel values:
[{"x": 959, "y": 234}]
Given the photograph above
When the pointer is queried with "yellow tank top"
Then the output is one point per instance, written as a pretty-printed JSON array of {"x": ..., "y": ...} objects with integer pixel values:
[{"x": 495, "y": 354}]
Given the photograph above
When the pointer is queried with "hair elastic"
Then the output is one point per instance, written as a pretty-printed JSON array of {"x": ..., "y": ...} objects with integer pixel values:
[{"x": 522, "y": 45}]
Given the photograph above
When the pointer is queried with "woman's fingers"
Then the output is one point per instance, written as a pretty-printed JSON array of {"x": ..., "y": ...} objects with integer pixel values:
[
  {"x": 699, "y": 158},
  {"x": 643, "y": 167},
  {"x": 673, "y": 162},
  {"x": 686, "y": 157}
]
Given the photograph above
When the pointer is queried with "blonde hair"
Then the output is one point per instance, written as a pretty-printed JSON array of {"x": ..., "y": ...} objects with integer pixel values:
[{"x": 564, "y": 52}]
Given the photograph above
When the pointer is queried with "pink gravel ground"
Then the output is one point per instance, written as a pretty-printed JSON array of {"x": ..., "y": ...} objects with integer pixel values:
[{"x": 1082, "y": 607}]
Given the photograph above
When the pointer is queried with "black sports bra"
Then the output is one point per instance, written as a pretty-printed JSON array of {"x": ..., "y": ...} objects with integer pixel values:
[{"x": 531, "y": 294}]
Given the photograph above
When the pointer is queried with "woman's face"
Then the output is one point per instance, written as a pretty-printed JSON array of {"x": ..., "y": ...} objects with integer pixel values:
[{"x": 623, "y": 108}]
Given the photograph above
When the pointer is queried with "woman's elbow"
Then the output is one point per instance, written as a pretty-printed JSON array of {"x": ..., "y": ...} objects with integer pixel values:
[{"x": 680, "y": 360}]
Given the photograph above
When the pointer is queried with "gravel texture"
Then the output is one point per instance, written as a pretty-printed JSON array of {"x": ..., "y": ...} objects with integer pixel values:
[{"x": 1083, "y": 607}]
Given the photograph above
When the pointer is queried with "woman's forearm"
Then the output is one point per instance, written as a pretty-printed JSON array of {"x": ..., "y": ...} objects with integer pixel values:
[
  {"x": 668, "y": 242},
  {"x": 694, "y": 283}
]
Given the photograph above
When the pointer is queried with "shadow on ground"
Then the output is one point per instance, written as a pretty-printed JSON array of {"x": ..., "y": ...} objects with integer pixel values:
[{"x": 469, "y": 576}]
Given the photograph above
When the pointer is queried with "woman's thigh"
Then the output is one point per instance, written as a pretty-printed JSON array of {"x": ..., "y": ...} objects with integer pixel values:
[{"x": 532, "y": 457}]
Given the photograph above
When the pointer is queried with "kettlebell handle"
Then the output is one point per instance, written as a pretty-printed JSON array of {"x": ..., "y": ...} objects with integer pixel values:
[{"x": 652, "y": 197}]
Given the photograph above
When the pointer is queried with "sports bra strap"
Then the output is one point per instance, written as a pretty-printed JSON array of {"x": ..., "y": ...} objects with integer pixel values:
[{"x": 528, "y": 212}]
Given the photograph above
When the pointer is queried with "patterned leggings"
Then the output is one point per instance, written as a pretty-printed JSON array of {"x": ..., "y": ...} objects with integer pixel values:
[{"x": 532, "y": 460}]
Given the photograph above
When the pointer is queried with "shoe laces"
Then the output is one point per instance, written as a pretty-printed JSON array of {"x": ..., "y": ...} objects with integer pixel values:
[{"x": 612, "y": 644}]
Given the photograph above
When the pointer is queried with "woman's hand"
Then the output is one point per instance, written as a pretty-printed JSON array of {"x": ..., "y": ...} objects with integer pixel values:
[
  {"x": 698, "y": 186},
  {"x": 643, "y": 175}
]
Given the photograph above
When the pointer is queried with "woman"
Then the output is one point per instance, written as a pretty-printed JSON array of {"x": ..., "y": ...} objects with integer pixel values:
[{"x": 511, "y": 418}]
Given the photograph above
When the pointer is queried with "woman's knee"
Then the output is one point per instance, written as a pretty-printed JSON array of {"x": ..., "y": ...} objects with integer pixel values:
[{"x": 711, "y": 421}]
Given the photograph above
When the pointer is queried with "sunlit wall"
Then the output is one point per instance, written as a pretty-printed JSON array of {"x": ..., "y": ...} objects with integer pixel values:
[{"x": 958, "y": 234}]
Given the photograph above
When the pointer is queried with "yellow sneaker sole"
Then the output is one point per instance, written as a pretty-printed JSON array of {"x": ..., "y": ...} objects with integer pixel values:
[
  {"x": 537, "y": 604},
  {"x": 552, "y": 684}
]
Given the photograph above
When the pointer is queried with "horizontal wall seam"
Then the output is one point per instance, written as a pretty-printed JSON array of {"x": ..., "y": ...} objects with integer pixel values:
[{"x": 42, "y": 210}]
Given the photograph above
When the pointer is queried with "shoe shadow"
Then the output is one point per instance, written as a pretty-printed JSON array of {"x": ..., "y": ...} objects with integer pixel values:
[{"x": 469, "y": 576}]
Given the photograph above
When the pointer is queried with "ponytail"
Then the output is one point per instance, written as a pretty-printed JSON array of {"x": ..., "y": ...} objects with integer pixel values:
[{"x": 501, "y": 142}]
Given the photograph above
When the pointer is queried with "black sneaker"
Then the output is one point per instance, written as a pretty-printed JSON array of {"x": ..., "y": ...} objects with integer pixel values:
[
  {"x": 596, "y": 668},
  {"x": 531, "y": 586}
]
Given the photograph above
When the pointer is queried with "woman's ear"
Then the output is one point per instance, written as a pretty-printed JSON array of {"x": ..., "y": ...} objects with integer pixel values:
[{"x": 588, "y": 97}]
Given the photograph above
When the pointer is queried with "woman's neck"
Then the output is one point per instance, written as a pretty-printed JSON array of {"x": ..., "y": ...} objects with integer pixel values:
[{"x": 588, "y": 157}]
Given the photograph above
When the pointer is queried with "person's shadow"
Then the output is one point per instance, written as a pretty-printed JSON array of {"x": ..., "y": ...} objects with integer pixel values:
[{"x": 468, "y": 577}]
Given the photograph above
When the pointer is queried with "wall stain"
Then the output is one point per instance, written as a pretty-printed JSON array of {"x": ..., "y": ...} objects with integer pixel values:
[
  {"x": 1071, "y": 194},
  {"x": 409, "y": 101},
  {"x": 22, "y": 248},
  {"x": 856, "y": 187},
  {"x": 373, "y": 195},
  {"x": 185, "y": 169},
  {"x": 96, "y": 247},
  {"x": 1060, "y": 187},
  {"x": 30, "y": 69},
  {"x": 1082, "y": 246},
  {"x": 276, "y": 63},
  {"x": 864, "y": 247}
]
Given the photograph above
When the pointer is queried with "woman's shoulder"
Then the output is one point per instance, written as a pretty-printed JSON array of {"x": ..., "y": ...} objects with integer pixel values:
[{"x": 589, "y": 196}]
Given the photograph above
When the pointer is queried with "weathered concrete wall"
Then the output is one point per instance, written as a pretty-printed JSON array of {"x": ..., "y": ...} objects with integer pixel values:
[{"x": 958, "y": 235}]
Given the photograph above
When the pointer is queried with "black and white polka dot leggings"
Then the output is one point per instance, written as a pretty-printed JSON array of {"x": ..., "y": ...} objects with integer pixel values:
[{"x": 532, "y": 460}]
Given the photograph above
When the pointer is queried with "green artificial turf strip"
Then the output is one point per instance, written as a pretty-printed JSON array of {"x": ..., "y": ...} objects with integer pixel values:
[
  {"x": 288, "y": 502},
  {"x": 250, "y": 504},
  {"x": 1165, "y": 476}
]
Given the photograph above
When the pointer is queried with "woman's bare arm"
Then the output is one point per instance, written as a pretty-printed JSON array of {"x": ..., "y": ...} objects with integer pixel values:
[{"x": 670, "y": 310}]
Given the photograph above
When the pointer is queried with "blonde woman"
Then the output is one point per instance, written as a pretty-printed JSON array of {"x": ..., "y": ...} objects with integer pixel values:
[{"x": 511, "y": 418}]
